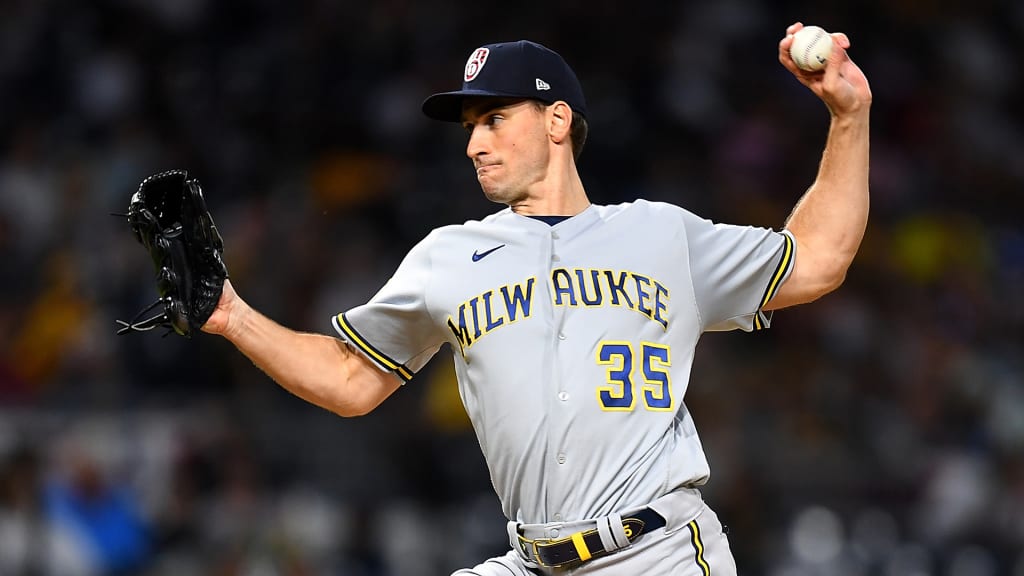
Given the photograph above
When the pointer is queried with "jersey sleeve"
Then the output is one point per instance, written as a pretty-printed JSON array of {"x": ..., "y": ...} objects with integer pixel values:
[
  {"x": 736, "y": 270},
  {"x": 394, "y": 329}
]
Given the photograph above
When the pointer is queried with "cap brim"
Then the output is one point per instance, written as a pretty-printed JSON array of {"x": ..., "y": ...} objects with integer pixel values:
[{"x": 447, "y": 106}]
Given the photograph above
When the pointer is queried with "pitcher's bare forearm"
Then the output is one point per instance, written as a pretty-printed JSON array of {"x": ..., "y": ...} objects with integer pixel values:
[
  {"x": 320, "y": 369},
  {"x": 828, "y": 222},
  {"x": 835, "y": 208}
]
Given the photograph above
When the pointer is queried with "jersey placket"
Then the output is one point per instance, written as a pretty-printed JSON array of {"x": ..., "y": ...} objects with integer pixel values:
[{"x": 560, "y": 396}]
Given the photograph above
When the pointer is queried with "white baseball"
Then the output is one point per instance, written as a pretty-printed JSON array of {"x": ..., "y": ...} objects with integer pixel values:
[{"x": 810, "y": 48}]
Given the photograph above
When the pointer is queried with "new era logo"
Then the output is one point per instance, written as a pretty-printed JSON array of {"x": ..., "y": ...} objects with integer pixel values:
[{"x": 542, "y": 85}]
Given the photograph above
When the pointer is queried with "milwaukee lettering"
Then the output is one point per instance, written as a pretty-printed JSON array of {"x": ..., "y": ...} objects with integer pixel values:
[{"x": 575, "y": 288}]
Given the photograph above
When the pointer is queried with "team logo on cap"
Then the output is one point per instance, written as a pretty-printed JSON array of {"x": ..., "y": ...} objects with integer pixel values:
[{"x": 476, "y": 63}]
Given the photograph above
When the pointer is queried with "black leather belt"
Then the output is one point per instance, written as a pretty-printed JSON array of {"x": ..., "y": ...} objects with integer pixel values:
[{"x": 580, "y": 547}]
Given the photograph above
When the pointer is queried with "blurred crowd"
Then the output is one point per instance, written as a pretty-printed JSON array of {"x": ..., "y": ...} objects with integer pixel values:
[{"x": 877, "y": 431}]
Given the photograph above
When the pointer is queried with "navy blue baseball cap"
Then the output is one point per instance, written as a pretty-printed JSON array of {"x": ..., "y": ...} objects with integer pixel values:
[{"x": 520, "y": 69}]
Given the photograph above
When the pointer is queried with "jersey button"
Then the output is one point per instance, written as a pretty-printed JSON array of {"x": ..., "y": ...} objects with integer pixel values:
[
  {"x": 554, "y": 532},
  {"x": 558, "y": 517},
  {"x": 561, "y": 458},
  {"x": 554, "y": 235},
  {"x": 563, "y": 395},
  {"x": 555, "y": 258},
  {"x": 561, "y": 335}
]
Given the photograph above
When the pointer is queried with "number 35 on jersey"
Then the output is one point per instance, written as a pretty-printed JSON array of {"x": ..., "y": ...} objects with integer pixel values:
[{"x": 647, "y": 364}]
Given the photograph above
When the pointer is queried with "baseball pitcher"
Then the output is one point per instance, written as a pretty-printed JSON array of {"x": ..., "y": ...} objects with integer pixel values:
[{"x": 573, "y": 325}]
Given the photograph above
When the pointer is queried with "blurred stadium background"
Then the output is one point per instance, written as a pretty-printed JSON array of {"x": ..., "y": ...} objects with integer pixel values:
[{"x": 878, "y": 431}]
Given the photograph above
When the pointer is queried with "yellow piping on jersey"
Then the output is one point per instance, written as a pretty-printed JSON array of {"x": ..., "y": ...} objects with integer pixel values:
[
  {"x": 388, "y": 363},
  {"x": 698, "y": 548},
  {"x": 773, "y": 286},
  {"x": 787, "y": 256}
]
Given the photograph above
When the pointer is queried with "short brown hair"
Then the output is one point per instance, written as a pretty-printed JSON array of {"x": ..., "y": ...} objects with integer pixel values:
[
  {"x": 577, "y": 130},
  {"x": 578, "y": 134}
]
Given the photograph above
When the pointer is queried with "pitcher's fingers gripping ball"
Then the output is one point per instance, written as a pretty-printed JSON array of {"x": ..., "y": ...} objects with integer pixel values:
[
  {"x": 169, "y": 218},
  {"x": 811, "y": 48}
]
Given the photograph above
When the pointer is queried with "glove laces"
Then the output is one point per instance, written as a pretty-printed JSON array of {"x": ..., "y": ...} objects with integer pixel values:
[{"x": 155, "y": 321}]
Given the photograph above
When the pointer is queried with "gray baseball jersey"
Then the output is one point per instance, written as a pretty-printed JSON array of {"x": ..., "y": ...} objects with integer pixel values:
[{"x": 573, "y": 343}]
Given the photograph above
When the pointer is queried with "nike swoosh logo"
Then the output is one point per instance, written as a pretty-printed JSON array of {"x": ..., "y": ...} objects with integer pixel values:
[{"x": 478, "y": 256}]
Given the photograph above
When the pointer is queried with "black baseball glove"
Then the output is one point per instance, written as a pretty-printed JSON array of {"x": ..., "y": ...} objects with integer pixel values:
[{"x": 169, "y": 218}]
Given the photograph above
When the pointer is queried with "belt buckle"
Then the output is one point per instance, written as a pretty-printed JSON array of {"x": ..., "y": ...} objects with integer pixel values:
[
  {"x": 528, "y": 548},
  {"x": 531, "y": 548},
  {"x": 550, "y": 542},
  {"x": 536, "y": 555}
]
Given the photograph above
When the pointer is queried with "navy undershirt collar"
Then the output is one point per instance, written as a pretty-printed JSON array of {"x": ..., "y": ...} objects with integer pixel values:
[{"x": 551, "y": 220}]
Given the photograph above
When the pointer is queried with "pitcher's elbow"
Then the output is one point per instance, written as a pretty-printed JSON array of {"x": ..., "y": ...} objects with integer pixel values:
[
  {"x": 346, "y": 405},
  {"x": 347, "y": 412},
  {"x": 353, "y": 409},
  {"x": 833, "y": 278}
]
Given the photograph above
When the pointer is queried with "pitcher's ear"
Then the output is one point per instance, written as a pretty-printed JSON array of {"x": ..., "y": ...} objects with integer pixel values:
[{"x": 559, "y": 121}]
